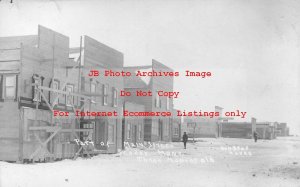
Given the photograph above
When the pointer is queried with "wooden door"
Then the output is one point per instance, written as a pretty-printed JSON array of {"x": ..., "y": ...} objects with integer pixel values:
[{"x": 101, "y": 134}]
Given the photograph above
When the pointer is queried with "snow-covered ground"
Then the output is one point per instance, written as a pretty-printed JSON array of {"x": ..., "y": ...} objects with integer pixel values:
[{"x": 208, "y": 162}]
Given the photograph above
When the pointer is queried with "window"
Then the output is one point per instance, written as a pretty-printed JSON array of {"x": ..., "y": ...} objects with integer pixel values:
[
  {"x": 69, "y": 98},
  {"x": 115, "y": 97},
  {"x": 128, "y": 131},
  {"x": 105, "y": 94},
  {"x": 55, "y": 86},
  {"x": 111, "y": 138},
  {"x": 168, "y": 103},
  {"x": 37, "y": 80},
  {"x": 157, "y": 100},
  {"x": 176, "y": 131},
  {"x": 9, "y": 87}
]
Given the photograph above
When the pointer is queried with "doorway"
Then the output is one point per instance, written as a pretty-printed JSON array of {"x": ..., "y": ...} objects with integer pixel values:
[
  {"x": 160, "y": 129},
  {"x": 134, "y": 136},
  {"x": 100, "y": 138}
]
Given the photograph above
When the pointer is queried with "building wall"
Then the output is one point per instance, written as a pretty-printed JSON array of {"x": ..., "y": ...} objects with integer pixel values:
[
  {"x": 200, "y": 127},
  {"x": 9, "y": 131},
  {"x": 143, "y": 100},
  {"x": 10, "y": 57},
  {"x": 236, "y": 130},
  {"x": 156, "y": 128}
]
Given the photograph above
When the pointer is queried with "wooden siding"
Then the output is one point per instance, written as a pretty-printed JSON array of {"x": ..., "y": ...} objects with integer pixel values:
[
  {"x": 36, "y": 55},
  {"x": 97, "y": 56},
  {"x": 14, "y": 42},
  {"x": 9, "y": 131},
  {"x": 204, "y": 127}
]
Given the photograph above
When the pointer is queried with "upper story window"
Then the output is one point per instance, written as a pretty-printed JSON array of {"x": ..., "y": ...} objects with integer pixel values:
[
  {"x": 93, "y": 87},
  {"x": 168, "y": 103},
  {"x": 157, "y": 101},
  {"x": 37, "y": 81},
  {"x": 9, "y": 87},
  {"x": 55, "y": 86},
  {"x": 115, "y": 97},
  {"x": 69, "y": 98},
  {"x": 105, "y": 94}
]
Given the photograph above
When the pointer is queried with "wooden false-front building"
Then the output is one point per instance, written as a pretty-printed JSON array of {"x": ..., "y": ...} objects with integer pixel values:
[
  {"x": 28, "y": 128},
  {"x": 107, "y": 130},
  {"x": 238, "y": 129},
  {"x": 155, "y": 128}
]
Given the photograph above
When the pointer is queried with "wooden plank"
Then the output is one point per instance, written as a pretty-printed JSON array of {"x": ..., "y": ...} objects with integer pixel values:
[
  {"x": 6, "y": 55},
  {"x": 98, "y": 53},
  {"x": 64, "y": 92},
  {"x": 15, "y": 41},
  {"x": 9, "y": 149},
  {"x": 53, "y": 129},
  {"x": 10, "y": 66}
]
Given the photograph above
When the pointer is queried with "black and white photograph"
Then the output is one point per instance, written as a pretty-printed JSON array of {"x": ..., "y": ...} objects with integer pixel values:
[{"x": 149, "y": 93}]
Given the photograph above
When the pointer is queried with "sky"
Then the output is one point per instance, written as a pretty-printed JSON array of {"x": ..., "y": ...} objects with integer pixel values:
[{"x": 252, "y": 47}]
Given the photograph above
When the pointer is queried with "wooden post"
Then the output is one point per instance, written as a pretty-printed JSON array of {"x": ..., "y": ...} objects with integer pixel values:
[{"x": 21, "y": 117}]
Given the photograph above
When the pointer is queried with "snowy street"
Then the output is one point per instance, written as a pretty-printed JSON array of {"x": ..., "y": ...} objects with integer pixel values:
[{"x": 208, "y": 162}]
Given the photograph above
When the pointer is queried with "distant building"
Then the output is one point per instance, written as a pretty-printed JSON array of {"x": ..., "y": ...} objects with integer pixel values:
[
  {"x": 238, "y": 129},
  {"x": 265, "y": 130},
  {"x": 282, "y": 129},
  {"x": 200, "y": 127},
  {"x": 204, "y": 127}
]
